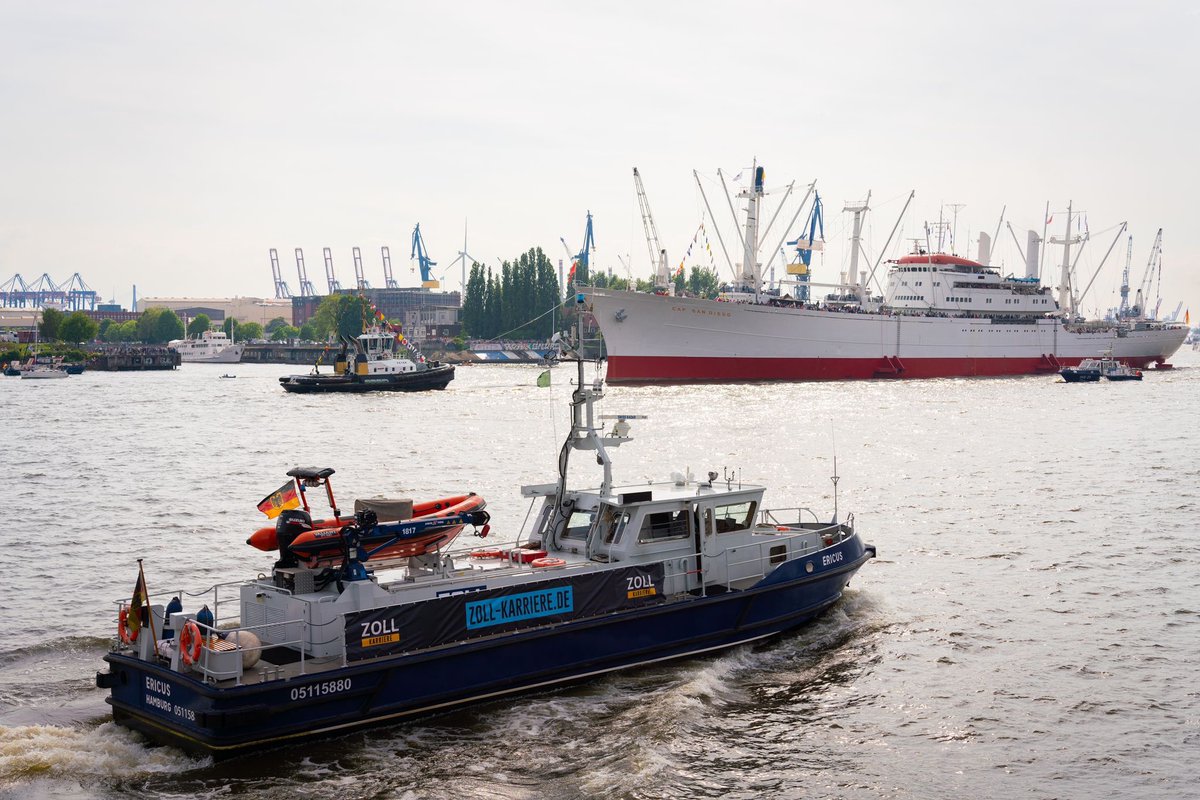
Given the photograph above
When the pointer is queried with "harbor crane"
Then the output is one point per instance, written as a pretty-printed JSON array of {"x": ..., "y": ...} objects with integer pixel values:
[
  {"x": 580, "y": 261},
  {"x": 805, "y": 245},
  {"x": 362, "y": 284},
  {"x": 423, "y": 260},
  {"x": 306, "y": 287},
  {"x": 282, "y": 292},
  {"x": 388, "y": 280},
  {"x": 330, "y": 278},
  {"x": 658, "y": 255}
]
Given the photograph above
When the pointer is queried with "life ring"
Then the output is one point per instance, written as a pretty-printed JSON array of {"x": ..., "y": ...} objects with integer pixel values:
[
  {"x": 123, "y": 627},
  {"x": 189, "y": 642},
  {"x": 487, "y": 553},
  {"x": 547, "y": 562}
]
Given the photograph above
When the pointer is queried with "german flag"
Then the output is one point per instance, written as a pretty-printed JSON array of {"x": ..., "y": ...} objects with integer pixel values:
[
  {"x": 139, "y": 607},
  {"x": 280, "y": 500}
]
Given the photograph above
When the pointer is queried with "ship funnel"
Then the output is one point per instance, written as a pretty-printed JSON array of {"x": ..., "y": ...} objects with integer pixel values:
[
  {"x": 985, "y": 248},
  {"x": 1033, "y": 244}
]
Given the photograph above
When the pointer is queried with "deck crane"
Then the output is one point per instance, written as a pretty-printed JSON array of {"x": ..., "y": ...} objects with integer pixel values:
[
  {"x": 580, "y": 261},
  {"x": 330, "y": 278},
  {"x": 423, "y": 260},
  {"x": 1123, "y": 309},
  {"x": 306, "y": 287},
  {"x": 388, "y": 280},
  {"x": 805, "y": 245},
  {"x": 1139, "y": 304},
  {"x": 361, "y": 281},
  {"x": 658, "y": 255},
  {"x": 282, "y": 292}
]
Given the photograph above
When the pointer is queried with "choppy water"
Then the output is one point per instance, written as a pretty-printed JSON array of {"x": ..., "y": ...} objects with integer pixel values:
[{"x": 1031, "y": 628}]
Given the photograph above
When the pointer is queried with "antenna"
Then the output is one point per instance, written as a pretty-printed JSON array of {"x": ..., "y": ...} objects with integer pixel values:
[{"x": 835, "y": 478}]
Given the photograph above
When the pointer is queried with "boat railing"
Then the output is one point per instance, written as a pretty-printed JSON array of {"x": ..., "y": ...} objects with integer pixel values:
[
  {"x": 771, "y": 516},
  {"x": 215, "y": 644},
  {"x": 800, "y": 542}
]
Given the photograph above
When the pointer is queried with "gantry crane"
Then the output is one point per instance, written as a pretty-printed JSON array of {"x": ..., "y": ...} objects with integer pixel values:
[
  {"x": 282, "y": 291},
  {"x": 581, "y": 260},
  {"x": 360, "y": 279},
  {"x": 388, "y": 280},
  {"x": 658, "y": 255},
  {"x": 330, "y": 278},
  {"x": 306, "y": 287}
]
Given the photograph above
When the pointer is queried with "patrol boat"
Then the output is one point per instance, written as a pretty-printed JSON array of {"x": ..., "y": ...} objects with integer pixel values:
[
  {"x": 603, "y": 579},
  {"x": 372, "y": 362}
]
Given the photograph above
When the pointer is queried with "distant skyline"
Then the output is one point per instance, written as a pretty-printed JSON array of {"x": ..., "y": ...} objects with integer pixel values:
[{"x": 171, "y": 146}]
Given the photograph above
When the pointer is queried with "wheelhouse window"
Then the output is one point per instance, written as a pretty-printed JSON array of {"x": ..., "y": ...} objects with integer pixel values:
[
  {"x": 578, "y": 525},
  {"x": 659, "y": 525},
  {"x": 735, "y": 517}
]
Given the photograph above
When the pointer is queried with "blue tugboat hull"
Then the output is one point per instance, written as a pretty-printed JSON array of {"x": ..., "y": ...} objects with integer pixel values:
[{"x": 174, "y": 708}]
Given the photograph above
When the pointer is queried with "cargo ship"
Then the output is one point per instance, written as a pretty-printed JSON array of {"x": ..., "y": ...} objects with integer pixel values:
[{"x": 940, "y": 315}]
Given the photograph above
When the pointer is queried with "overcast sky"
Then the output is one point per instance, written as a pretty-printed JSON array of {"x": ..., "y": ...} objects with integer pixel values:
[{"x": 170, "y": 145}]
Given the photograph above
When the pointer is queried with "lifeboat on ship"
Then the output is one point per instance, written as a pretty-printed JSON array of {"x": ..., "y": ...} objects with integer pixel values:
[
  {"x": 325, "y": 547},
  {"x": 937, "y": 260},
  {"x": 266, "y": 539}
]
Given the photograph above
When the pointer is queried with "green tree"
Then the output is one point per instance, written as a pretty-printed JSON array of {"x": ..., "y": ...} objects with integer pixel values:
[
  {"x": 52, "y": 320},
  {"x": 230, "y": 326},
  {"x": 199, "y": 325},
  {"x": 342, "y": 314},
  {"x": 79, "y": 327},
  {"x": 159, "y": 326},
  {"x": 250, "y": 331},
  {"x": 703, "y": 282},
  {"x": 284, "y": 333},
  {"x": 276, "y": 324},
  {"x": 126, "y": 332},
  {"x": 473, "y": 301},
  {"x": 308, "y": 332},
  {"x": 105, "y": 324}
]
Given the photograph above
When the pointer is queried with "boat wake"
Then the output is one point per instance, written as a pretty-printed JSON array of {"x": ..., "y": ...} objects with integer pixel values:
[{"x": 36, "y": 752}]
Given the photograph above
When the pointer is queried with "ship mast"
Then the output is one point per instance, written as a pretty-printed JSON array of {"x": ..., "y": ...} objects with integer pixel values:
[
  {"x": 751, "y": 269},
  {"x": 1065, "y": 301}
]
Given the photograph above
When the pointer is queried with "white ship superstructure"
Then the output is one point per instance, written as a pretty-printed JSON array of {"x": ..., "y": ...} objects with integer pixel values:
[
  {"x": 941, "y": 315},
  {"x": 213, "y": 347}
]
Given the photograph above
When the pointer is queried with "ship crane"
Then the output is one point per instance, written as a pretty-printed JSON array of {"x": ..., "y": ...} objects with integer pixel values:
[
  {"x": 423, "y": 260},
  {"x": 282, "y": 292},
  {"x": 306, "y": 287},
  {"x": 658, "y": 255},
  {"x": 360, "y": 279},
  {"x": 1139, "y": 307},
  {"x": 330, "y": 278},
  {"x": 1123, "y": 309},
  {"x": 388, "y": 280}
]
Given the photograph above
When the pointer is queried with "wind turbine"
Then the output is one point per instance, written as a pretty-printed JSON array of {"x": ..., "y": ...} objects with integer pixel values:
[{"x": 463, "y": 255}]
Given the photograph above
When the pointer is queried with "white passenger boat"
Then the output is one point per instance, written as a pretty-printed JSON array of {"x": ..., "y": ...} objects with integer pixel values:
[{"x": 213, "y": 347}]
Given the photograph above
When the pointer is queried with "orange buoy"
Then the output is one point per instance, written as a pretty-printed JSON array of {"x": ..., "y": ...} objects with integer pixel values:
[
  {"x": 547, "y": 562},
  {"x": 487, "y": 553},
  {"x": 127, "y": 636},
  {"x": 189, "y": 642}
]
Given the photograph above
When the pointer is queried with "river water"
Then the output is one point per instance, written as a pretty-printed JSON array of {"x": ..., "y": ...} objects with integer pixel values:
[{"x": 1030, "y": 629}]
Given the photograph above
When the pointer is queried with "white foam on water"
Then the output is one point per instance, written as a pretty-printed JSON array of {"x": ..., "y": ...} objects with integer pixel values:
[{"x": 38, "y": 751}]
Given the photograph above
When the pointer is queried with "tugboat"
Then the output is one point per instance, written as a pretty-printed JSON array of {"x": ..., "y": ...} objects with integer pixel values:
[
  {"x": 603, "y": 579},
  {"x": 375, "y": 365}
]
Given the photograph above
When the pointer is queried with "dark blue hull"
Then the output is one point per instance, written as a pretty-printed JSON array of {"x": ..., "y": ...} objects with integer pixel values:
[{"x": 178, "y": 709}]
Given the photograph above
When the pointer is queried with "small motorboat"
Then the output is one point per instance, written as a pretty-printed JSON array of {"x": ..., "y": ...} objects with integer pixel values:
[
  {"x": 229, "y": 376},
  {"x": 1091, "y": 370},
  {"x": 1123, "y": 372}
]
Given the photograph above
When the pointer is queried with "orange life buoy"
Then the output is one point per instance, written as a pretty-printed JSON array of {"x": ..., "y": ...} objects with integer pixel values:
[
  {"x": 487, "y": 553},
  {"x": 189, "y": 642},
  {"x": 123, "y": 627},
  {"x": 547, "y": 562}
]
